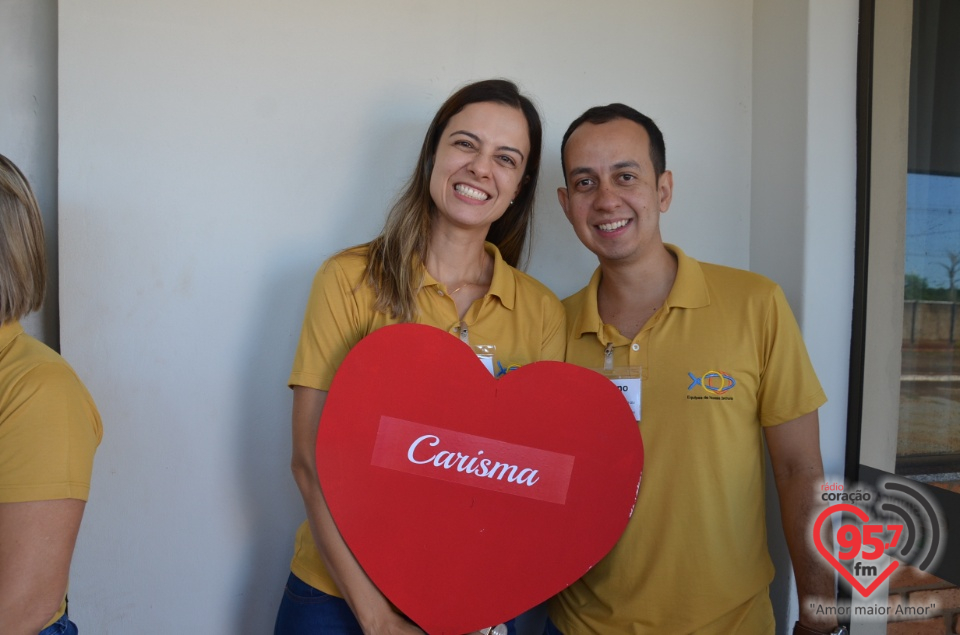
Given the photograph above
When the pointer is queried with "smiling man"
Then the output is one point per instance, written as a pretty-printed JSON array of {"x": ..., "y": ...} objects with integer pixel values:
[{"x": 721, "y": 366}]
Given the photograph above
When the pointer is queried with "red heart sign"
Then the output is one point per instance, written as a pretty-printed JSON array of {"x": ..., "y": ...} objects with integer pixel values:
[
  {"x": 469, "y": 499},
  {"x": 865, "y": 591}
]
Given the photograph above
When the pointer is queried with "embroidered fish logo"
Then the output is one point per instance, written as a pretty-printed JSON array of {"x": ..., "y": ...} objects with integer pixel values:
[
  {"x": 714, "y": 381},
  {"x": 503, "y": 370}
]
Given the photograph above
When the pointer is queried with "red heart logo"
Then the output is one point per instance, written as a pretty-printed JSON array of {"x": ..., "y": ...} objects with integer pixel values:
[
  {"x": 826, "y": 553},
  {"x": 469, "y": 499}
]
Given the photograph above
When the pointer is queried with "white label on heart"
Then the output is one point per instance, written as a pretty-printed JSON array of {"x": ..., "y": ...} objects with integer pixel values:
[{"x": 471, "y": 460}]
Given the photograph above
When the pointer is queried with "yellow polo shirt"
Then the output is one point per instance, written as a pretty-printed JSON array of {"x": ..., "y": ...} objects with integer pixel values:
[
  {"x": 49, "y": 425},
  {"x": 721, "y": 359},
  {"x": 518, "y": 315}
]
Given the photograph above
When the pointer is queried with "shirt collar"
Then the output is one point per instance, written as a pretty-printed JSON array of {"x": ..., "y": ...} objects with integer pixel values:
[
  {"x": 9, "y": 332},
  {"x": 588, "y": 321},
  {"x": 503, "y": 284},
  {"x": 689, "y": 291}
]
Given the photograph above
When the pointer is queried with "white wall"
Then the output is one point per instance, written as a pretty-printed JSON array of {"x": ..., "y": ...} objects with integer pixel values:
[
  {"x": 28, "y": 127},
  {"x": 778, "y": 202},
  {"x": 213, "y": 153},
  {"x": 804, "y": 205}
]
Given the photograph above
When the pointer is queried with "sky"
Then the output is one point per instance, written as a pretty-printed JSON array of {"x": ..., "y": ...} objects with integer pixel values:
[{"x": 933, "y": 226}]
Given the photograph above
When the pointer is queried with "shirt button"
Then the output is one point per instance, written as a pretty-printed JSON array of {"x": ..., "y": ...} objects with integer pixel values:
[
  {"x": 439, "y": 292},
  {"x": 635, "y": 347}
]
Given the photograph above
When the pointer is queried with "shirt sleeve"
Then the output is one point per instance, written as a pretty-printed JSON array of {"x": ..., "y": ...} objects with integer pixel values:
[
  {"x": 331, "y": 327},
  {"x": 49, "y": 432},
  {"x": 789, "y": 387}
]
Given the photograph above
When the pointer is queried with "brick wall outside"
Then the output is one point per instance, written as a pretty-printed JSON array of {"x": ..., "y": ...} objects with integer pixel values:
[
  {"x": 930, "y": 322},
  {"x": 912, "y": 589}
]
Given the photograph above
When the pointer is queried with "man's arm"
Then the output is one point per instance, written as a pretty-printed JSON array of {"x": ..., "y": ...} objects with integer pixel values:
[{"x": 798, "y": 470}]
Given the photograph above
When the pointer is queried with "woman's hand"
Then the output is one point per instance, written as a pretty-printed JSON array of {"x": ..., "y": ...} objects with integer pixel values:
[
  {"x": 392, "y": 624},
  {"x": 499, "y": 629}
]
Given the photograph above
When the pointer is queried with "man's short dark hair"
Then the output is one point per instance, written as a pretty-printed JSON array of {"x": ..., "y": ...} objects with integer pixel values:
[{"x": 602, "y": 114}]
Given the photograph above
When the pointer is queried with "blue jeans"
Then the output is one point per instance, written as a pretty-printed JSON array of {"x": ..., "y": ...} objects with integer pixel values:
[
  {"x": 305, "y": 610},
  {"x": 63, "y": 626},
  {"x": 551, "y": 629}
]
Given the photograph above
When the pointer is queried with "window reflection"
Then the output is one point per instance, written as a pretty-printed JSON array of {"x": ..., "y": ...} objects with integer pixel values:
[{"x": 928, "y": 439}]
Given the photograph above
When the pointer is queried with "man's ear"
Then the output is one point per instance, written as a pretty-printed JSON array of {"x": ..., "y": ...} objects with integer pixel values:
[
  {"x": 562, "y": 196},
  {"x": 665, "y": 190}
]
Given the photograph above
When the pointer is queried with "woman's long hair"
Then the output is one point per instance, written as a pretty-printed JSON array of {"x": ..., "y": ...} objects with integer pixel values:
[{"x": 397, "y": 254}]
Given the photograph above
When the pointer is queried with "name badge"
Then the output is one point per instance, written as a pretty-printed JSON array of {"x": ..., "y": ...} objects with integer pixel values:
[
  {"x": 630, "y": 389},
  {"x": 485, "y": 352},
  {"x": 487, "y": 360},
  {"x": 626, "y": 378}
]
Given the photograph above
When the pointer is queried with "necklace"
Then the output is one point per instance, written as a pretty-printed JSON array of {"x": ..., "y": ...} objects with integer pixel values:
[{"x": 477, "y": 281}]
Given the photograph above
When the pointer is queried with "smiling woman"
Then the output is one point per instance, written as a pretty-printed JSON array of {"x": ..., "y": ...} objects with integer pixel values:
[
  {"x": 479, "y": 167},
  {"x": 409, "y": 226},
  {"x": 446, "y": 257}
]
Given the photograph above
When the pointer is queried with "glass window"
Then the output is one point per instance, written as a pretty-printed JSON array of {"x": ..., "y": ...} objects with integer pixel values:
[
  {"x": 928, "y": 437},
  {"x": 926, "y": 417}
]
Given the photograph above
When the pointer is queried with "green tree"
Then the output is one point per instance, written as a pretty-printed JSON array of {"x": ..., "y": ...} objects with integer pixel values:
[
  {"x": 952, "y": 267},
  {"x": 915, "y": 287}
]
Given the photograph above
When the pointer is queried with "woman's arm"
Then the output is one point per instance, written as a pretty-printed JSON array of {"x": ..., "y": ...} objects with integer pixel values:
[
  {"x": 372, "y": 609},
  {"x": 36, "y": 544}
]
